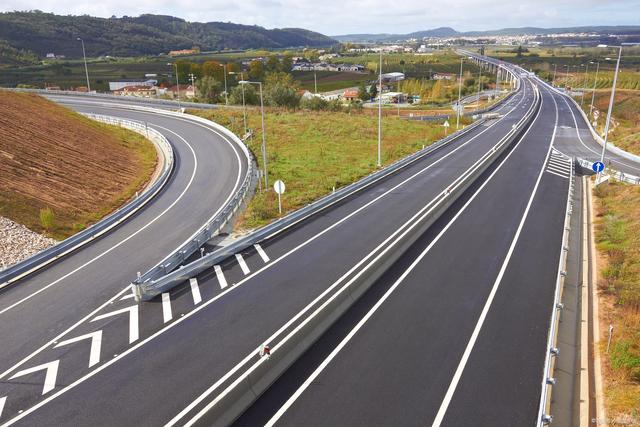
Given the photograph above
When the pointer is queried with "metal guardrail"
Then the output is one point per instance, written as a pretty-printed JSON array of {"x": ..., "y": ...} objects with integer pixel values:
[
  {"x": 131, "y": 99},
  {"x": 147, "y": 289},
  {"x": 612, "y": 173},
  {"x": 47, "y": 256},
  {"x": 544, "y": 416}
]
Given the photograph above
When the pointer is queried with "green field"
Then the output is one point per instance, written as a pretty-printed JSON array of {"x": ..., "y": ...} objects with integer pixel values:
[
  {"x": 329, "y": 80},
  {"x": 312, "y": 152}
]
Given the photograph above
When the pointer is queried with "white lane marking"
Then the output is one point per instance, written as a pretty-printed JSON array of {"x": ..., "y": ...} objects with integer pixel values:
[
  {"x": 50, "y": 377},
  {"x": 243, "y": 265},
  {"x": 220, "y": 275},
  {"x": 558, "y": 169},
  {"x": 222, "y": 294},
  {"x": 128, "y": 296},
  {"x": 195, "y": 291},
  {"x": 133, "y": 320},
  {"x": 559, "y": 174},
  {"x": 261, "y": 252},
  {"x": 2, "y": 402},
  {"x": 598, "y": 152},
  {"x": 485, "y": 310},
  {"x": 96, "y": 344},
  {"x": 560, "y": 164},
  {"x": 393, "y": 287},
  {"x": 166, "y": 307},
  {"x": 139, "y": 230}
]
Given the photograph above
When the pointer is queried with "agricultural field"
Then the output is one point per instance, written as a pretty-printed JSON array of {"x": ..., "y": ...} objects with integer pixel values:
[
  {"x": 313, "y": 152},
  {"x": 329, "y": 80},
  {"x": 618, "y": 242},
  {"x": 48, "y": 147}
]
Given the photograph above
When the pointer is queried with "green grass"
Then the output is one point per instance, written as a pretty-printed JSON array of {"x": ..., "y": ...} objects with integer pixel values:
[
  {"x": 329, "y": 80},
  {"x": 313, "y": 152},
  {"x": 618, "y": 243}
]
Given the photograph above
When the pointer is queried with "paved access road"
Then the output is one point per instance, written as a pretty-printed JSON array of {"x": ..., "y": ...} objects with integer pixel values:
[
  {"x": 160, "y": 359},
  {"x": 208, "y": 171}
]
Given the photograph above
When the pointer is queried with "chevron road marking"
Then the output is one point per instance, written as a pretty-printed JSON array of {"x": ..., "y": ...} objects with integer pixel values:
[
  {"x": 49, "y": 379},
  {"x": 96, "y": 345},
  {"x": 133, "y": 320}
]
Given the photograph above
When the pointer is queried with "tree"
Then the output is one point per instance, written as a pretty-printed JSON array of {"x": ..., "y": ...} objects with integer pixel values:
[
  {"x": 184, "y": 68},
  {"x": 272, "y": 63},
  {"x": 314, "y": 103},
  {"x": 212, "y": 69},
  {"x": 281, "y": 91},
  {"x": 251, "y": 96},
  {"x": 287, "y": 63},
  {"x": 363, "y": 94},
  {"x": 209, "y": 88},
  {"x": 373, "y": 90},
  {"x": 519, "y": 51},
  {"x": 256, "y": 70}
]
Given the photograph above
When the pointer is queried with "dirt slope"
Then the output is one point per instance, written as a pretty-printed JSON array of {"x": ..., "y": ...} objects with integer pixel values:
[{"x": 53, "y": 157}]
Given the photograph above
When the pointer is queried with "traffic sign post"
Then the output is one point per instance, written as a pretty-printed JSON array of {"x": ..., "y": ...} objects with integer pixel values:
[
  {"x": 446, "y": 127},
  {"x": 279, "y": 188},
  {"x": 597, "y": 167}
]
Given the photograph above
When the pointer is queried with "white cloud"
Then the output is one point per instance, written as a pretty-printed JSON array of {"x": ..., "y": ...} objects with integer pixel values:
[{"x": 339, "y": 17}]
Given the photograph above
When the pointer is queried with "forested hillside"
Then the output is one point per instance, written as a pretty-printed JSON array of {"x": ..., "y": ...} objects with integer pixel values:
[{"x": 42, "y": 33}]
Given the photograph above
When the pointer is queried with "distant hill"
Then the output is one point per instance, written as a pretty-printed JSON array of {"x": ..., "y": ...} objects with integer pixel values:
[
  {"x": 42, "y": 33},
  {"x": 450, "y": 32}
]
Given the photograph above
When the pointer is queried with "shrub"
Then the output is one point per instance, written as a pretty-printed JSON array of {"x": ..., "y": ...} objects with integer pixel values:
[{"x": 47, "y": 218}]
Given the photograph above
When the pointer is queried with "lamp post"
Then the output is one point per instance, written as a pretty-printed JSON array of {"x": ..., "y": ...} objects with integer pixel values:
[
  {"x": 380, "y": 114},
  {"x": 555, "y": 69},
  {"x": 244, "y": 106},
  {"x": 593, "y": 91},
  {"x": 613, "y": 95},
  {"x": 459, "y": 96},
  {"x": 175, "y": 64},
  {"x": 264, "y": 140},
  {"x": 584, "y": 85},
  {"x": 479, "y": 83},
  {"x": 86, "y": 70}
]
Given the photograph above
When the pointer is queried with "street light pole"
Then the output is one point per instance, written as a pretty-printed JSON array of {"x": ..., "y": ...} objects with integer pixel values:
[
  {"x": 86, "y": 69},
  {"x": 459, "y": 96},
  {"x": 175, "y": 64},
  {"x": 226, "y": 92},
  {"x": 555, "y": 68},
  {"x": 584, "y": 85},
  {"x": 479, "y": 83},
  {"x": 264, "y": 138},
  {"x": 593, "y": 92},
  {"x": 380, "y": 114},
  {"x": 613, "y": 95}
]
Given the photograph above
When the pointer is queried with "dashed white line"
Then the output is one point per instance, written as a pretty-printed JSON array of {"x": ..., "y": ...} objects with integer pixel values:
[
  {"x": 195, "y": 290},
  {"x": 96, "y": 344},
  {"x": 243, "y": 264},
  {"x": 133, "y": 320},
  {"x": 261, "y": 252},
  {"x": 2, "y": 402},
  {"x": 166, "y": 307},
  {"x": 220, "y": 276}
]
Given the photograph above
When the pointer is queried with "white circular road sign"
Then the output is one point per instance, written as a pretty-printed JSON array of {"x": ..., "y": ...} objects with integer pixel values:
[{"x": 279, "y": 187}]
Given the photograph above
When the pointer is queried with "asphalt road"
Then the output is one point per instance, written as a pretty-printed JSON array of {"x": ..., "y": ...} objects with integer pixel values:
[
  {"x": 164, "y": 354},
  {"x": 208, "y": 171},
  {"x": 455, "y": 333}
]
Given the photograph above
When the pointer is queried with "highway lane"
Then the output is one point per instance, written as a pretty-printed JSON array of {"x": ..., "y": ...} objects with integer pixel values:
[
  {"x": 406, "y": 353},
  {"x": 187, "y": 340},
  {"x": 208, "y": 170}
]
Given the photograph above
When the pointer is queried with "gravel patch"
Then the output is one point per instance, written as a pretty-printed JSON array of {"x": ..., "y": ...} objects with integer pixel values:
[{"x": 18, "y": 243}]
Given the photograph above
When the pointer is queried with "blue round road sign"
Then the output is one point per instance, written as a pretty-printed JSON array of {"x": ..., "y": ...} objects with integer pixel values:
[{"x": 598, "y": 167}]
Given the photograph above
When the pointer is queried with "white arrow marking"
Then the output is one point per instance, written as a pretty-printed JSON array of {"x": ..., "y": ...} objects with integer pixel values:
[
  {"x": 49, "y": 379},
  {"x": 2, "y": 400},
  {"x": 133, "y": 320},
  {"x": 96, "y": 344}
]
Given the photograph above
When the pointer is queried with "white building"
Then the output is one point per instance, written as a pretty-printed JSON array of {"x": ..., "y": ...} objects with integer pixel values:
[
  {"x": 392, "y": 77},
  {"x": 119, "y": 84}
]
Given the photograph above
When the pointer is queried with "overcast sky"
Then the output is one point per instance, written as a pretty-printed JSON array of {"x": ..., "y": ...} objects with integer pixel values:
[{"x": 333, "y": 17}]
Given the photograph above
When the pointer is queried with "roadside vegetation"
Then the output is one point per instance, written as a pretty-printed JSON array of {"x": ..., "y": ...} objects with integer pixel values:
[
  {"x": 61, "y": 172},
  {"x": 315, "y": 151},
  {"x": 618, "y": 243}
]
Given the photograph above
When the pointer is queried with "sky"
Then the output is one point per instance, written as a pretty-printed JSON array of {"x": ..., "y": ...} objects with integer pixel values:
[{"x": 335, "y": 17}]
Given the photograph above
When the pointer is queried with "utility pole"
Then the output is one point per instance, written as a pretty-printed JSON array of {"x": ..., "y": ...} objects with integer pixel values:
[
  {"x": 613, "y": 95},
  {"x": 584, "y": 85},
  {"x": 459, "y": 96},
  {"x": 86, "y": 69},
  {"x": 555, "y": 68},
  {"x": 593, "y": 92},
  {"x": 479, "y": 83},
  {"x": 380, "y": 114},
  {"x": 175, "y": 64}
]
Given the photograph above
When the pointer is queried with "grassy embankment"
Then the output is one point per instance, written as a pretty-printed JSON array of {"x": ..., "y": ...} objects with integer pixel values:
[
  {"x": 52, "y": 157},
  {"x": 618, "y": 242},
  {"x": 314, "y": 151}
]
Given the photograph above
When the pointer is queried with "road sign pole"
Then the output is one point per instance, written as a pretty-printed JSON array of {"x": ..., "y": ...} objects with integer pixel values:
[{"x": 279, "y": 204}]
